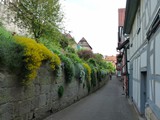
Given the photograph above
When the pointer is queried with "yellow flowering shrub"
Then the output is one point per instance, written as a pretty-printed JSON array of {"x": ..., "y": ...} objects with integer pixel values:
[
  {"x": 88, "y": 75},
  {"x": 87, "y": 67},
  {"x": 34, "y": 54}
]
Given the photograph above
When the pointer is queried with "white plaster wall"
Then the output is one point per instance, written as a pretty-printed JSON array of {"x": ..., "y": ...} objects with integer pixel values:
[
  {"x": 138, "y": 94},
  {"x": 134, "y": 69},
  {"x": 147, "y": 14},
  {"x": 153, "y": 5},
  {"x": 143, "y": 29},
  {"x": 138, "y": 78},
  {"x": 131, "y": 47},
  {"x": 157, "y": 95},
  {"x": 139, "y": 66},
  {"x": 134, "y": 45},
  {"x": 143, "y": 20},
  {"x": 143, "y": 3},
  {"x": 134, "y": 28},
  {"x": 136, "y": 81},
  {"x": 144, "y": 59},
  {"x": 135, "y": 91},
  {"x": 151, "y": 46},
  {"x": 151, "y": 63},
  {"x": 157, "y": 55},
  {"x": 151, "y": 89}
]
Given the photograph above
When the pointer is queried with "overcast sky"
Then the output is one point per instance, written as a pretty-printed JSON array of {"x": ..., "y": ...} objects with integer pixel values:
[{"x": 95, "y": 20}]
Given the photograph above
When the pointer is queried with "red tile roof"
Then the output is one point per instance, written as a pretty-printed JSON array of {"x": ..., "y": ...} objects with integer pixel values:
[{"x": 110, "y": 58}]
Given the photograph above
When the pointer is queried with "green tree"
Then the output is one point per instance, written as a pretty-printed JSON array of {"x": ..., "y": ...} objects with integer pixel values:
[
  {"x": 85, "y": 54},
  {"x": 111, "y": 68},
  {"x": 1, "y": 24},
  {"x": 39, "y": 17},
  {"x": 98, "y": 56}
]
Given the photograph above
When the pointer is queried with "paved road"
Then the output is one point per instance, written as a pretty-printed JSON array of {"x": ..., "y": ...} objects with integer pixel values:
[{"x": 108, "y": 103}]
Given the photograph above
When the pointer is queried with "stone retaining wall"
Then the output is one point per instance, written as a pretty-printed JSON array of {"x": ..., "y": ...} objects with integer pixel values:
[{"x": 40, "y": 98}]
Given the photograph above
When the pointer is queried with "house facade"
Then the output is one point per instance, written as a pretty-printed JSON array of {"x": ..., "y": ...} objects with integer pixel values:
[
  {"x": 123, "y": 43},
  {"x": 142, "y": 27},
  {"x": 71, "y": 41},
  {"x": 83, "y": 44}
]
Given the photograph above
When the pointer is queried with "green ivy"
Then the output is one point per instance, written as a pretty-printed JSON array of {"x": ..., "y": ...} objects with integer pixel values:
[
  {"x": 68, "y": 68},
  {"x": 70, "y": 50},
  {"x": 74, "y": 57},
  {"x": 93, "y": 77},
  {"x": 80, "y": 72},
  {"x": 60, "y": 91}
]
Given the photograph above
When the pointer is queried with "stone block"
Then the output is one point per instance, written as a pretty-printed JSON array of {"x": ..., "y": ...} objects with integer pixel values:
[
  {"x": 29, "y": 91},
  {"x": 24, "y": 107},
  {"x": 45, "y": 89},
  {"x": 2, "y": 79},
  {"x": 6, "y": 108},
  {"x": 8, "y": 79},
  {"x": 15, "y": 93},
  {"x": 37, "y": 89},
  {"x": 42, "y": 100},
  {"x": 6, "y": 116},
  {"x": 4, "y": 95}
]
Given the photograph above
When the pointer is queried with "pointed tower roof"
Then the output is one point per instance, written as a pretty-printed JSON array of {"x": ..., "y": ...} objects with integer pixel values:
[{"x": 83, "y": 43}]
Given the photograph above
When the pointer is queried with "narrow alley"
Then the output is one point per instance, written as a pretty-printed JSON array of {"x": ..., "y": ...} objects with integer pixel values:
[{"x": 108, "y": 103}]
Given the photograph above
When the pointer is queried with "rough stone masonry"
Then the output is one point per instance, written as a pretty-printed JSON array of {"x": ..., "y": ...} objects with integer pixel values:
[{"x": 39, "y": 99}]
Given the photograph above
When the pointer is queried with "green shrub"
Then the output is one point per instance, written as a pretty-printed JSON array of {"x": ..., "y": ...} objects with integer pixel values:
[
  {"x": 1, "y": 24},
  {"x": 87, "y": 75},
  {"x": 64, "y": 42},
  {"x": 101, "y": 74},
  {"x": 56, "y": 51},
  {"x": 60, "y": 91},
  {"x": 80, "y": 72},
  {"x": 74, "y": 57},
  {"x": 93, "y": 77},
  {"x": 68, "y": 68},
  {"x": 92, "y": 62},
  {"x": 70, "y": 50},
  {"x": 50, "y": 43},
  {"x": 88, "y": 71},
  {"x": 5, "y": 34},
  {"x": 11, "y": 53},
  {"x": 85, "y": 54}
]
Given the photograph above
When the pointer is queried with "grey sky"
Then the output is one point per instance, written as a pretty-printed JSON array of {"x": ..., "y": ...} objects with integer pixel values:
[{"x": 95, "y": 20}]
